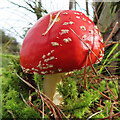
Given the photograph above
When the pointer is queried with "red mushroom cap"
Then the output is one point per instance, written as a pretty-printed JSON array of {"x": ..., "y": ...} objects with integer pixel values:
[{"x": 59, "y": 49}]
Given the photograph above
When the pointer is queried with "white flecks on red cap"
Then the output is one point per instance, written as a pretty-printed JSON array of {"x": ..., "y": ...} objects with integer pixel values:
[
  {"x": 78, "y": 17},
  {"x": 55, "y": 43},
  {"x": 59, "y": 34},
  {"x": 83, "y": 27},
  {"x": 64, "y": 31},
  {"x": 68, "y": 23},
  {"x": 67, "y": 40},
  {"x": 65, "y": 13},
  {"x": 89, "y": 21},
  {"x": 84, "y": 19},
  {"x": 84, "y": 37},
  {"x": 48, "y": 54},
  {"x": 76, "y": 13},
  {"x": 59, "y": 69},
  {"x": 91, "y": 31},
  {"x": 43, "y": 56}
]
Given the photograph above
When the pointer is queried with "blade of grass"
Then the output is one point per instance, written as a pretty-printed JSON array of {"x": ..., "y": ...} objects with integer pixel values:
[
  {"x": 114, "y": 57},
  {"x": 6, "y": 44},
  {"x": 113, "y": 49}
]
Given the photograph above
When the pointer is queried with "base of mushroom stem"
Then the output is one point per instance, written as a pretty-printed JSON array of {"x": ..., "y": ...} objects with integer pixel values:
[
  {"x": 50, "y": 87},
  {"x": 57, "y": 99}
]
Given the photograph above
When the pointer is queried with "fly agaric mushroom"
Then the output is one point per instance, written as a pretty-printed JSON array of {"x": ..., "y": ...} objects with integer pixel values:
[{"x": 51, "y": 47}]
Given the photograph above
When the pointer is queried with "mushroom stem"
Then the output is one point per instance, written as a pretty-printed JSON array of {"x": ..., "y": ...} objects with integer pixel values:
[{"x": 49, "y": 86}]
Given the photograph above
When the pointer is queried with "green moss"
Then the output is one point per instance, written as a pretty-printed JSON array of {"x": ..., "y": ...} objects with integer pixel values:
[
  {"x": 77, "y": 102},
  {"x": 12, "y": 87}
]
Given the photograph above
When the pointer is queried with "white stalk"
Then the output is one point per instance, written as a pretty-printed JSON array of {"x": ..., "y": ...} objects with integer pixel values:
[{"x": 50, "y": 85}]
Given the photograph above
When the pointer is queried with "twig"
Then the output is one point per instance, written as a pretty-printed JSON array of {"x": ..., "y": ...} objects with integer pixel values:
[
  {"x": 47, "y": 100},
  {"x": 111, "y": 111},
  {"x": 110, "y": 44},
  {"x": 118, "y": 89},
  {"x": 95, "y": 56},
  {"x": 11, "y": 114},
  {"x": 111, "y": 33},
  {"x": 94, "y": 114},
  {"x": 49, "y": 27},
  {"x": 23, "y": 99},
  {"x": 36, "y": 107},
  {"x": 101, "y": 93},
  {"x": 117, "y": 114},
  {"x": 30, "y": 97},
  {"x": 115, "y": 97},
  {"x": 42, "y": 102},
  {"x": 27, "y": 83},
  {"x": 91, "y": 51},
  {"x": 92, "y": 65},
  {"x": 99, "y": 6},
  {"x": 87, "y": 10},
  {"x": 21, "y": 6},
  {"x": 51, "y": 103},
  {"x": 50, "y": 19},
  {"x": 85, "y": 71},
  {"x": 96, "y": 18}
]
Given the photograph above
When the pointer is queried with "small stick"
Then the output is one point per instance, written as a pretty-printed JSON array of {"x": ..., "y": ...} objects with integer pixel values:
[
  {"x": 26, "y": 82},
  {"x": 11, "y": 114},
  {"x": 50, "y": 19},
  {"x": 99, "y": 6},
  {"x": 111, "y": 111},
  {"x": 94, "y": 114},
  {"x": 93, "y": 53},
  {"x": 100, "y": 103},
  {"x": 101, "y": 93},
  {"x": 49, "y": 27},
  {"x": 112, "y": 116},
  {"x": 96, "y": 17},
  {"x": 110, "y": 44},
  {"x": 23, "y": 99},
  {"x": 46, "y": 99},
  {"x": 111, "y": 33},
  {"x": 53, "y": 105},
  {"x": 85, "y": 72},
  {"x": 92, "y": 65},
  {"x": 35, "y": 107},
  {"x": 42, "y": 102},
  {"x": 115, "y": 97},
  {"x": 30, "y": 97}
]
